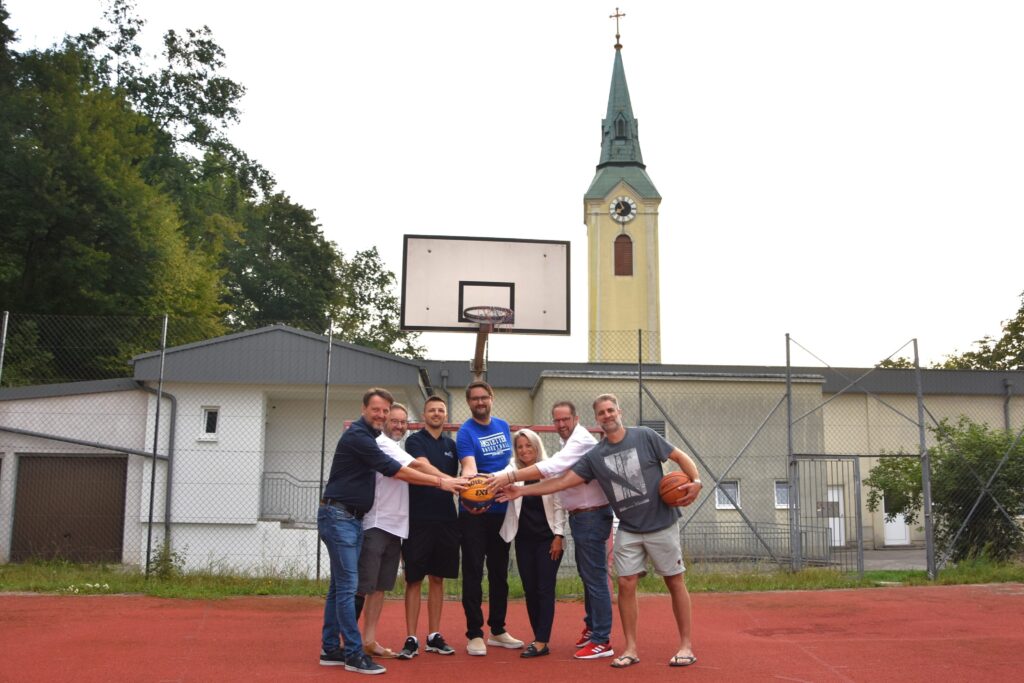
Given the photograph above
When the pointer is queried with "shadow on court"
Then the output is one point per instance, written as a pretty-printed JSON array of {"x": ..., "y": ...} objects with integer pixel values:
[{"x": 933, "y": 633}]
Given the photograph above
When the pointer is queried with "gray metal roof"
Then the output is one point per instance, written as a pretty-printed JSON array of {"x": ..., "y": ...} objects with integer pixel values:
[
  {"x": 524, "y": 375},
  {"x": 277, "y": 354},
  {"x": 100, "y": 386}
]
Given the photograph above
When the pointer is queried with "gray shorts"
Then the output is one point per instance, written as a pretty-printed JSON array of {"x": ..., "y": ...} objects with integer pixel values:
[
  {"x": 662, "y": 547},
  {"x": 378, "y": 561}
]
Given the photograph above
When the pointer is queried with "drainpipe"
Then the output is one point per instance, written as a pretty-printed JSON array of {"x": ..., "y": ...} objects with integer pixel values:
[
  {"x": 1008, "y": 390},
  {"x": 170, "y": 455},
  {"x": 444, "y": 387}
]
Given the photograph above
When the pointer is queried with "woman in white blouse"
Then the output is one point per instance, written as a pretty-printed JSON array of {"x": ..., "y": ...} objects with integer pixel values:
[{"x": 537, "y": 523}]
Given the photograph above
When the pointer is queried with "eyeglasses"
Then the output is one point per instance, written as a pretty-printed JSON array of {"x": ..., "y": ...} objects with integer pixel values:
[{"x": 478, "y": 399}]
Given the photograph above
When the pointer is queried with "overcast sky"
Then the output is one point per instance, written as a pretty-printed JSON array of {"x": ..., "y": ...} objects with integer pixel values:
[{"x": 851, "y": 173}]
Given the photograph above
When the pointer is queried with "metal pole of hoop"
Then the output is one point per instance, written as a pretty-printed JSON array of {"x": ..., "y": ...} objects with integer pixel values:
[{"x": 488, "y": 318}]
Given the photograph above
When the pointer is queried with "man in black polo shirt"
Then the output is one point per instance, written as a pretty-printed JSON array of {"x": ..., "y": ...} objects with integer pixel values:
[
  {"x": 348, "y": 495},
  {"x": 432, "y": 548}
]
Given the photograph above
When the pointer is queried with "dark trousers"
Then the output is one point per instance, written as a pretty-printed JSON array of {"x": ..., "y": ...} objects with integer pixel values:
[
  {"x": 538, "y": 572},
  {"x": 482, "y": 544}
]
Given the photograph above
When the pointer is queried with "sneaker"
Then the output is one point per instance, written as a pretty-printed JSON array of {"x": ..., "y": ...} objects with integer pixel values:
[
  {"x": 363, "y": 664},
  {"x": 410, "y": 649},
  {"x": 584, "y": 637},
  {"x": 332, "y": 658},
  {"x": 435, "y": 643},
  {"x": 595, "y": 651},
  {"x": 476, "y": 647},
  {"x": 505, "y": 640}
]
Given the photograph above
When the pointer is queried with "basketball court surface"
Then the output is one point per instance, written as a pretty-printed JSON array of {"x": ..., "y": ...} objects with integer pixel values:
[{"x": 932, "y": 633}]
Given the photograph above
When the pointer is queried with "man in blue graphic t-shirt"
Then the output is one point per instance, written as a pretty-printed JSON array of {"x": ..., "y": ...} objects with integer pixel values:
[{"x": 484, "y": 444}]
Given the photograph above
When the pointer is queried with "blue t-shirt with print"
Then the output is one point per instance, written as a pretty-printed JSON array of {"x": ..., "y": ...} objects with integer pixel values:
[{"x": 491, "y": 447}]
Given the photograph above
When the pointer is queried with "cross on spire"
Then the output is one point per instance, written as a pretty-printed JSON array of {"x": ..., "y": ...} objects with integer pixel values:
[{"x": 618, "y": 15}]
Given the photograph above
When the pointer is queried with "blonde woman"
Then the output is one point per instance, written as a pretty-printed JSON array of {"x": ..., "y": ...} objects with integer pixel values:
[{"x": 537, "y": 523}]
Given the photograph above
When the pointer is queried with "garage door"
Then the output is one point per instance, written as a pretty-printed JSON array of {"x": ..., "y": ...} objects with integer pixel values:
[{"x": 69, "y": 508}]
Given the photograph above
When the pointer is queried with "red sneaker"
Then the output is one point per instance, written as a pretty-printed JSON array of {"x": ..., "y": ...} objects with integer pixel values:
[
  {"x": 595, "y": 651},
  {"x": 584, "y": 637}
]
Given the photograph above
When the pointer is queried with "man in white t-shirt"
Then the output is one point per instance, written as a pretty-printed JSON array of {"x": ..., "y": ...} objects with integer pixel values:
[{"x": 384, "y": 527}]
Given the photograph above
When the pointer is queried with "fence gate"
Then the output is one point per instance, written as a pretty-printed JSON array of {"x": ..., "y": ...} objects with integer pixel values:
[{"x": 829, "y": 512}]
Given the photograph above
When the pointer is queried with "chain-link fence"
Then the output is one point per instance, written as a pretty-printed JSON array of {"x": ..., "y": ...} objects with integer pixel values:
[{"x": 804, "y": 464}]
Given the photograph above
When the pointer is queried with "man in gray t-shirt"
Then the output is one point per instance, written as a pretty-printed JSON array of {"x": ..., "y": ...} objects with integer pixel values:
[
  {"x": 627, "y": 465},
  {"x": 628, "y": 471}
]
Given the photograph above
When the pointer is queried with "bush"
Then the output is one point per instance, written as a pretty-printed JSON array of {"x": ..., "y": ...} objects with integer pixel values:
[{"x": 967, "y": 455}]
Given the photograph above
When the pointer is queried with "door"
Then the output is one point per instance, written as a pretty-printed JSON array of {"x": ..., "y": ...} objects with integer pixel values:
[
  {"x": 897, "y": 532},
  {"x": 69, "y": 508},
  {"x": 836, "y": 515}
]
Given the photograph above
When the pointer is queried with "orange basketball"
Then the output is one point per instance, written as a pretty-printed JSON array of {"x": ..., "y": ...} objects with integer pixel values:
[
  {"x": 477, "y": 498},
  {"x": 668, "y": 488}
]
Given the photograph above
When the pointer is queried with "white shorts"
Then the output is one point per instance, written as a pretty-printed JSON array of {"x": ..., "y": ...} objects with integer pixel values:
[{"x": 632, "y": 550}]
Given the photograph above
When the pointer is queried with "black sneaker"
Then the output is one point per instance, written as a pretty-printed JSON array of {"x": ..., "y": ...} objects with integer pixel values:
[
  {"x": 435, "y": 643},
  {"x": 411, "y": 648},
  {"x": 363, "y": 664},
  {"x": 332, "y": 658}
]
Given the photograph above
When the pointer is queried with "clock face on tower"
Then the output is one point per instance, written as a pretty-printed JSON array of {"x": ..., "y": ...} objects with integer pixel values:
[{"x": 622, "y": 209}]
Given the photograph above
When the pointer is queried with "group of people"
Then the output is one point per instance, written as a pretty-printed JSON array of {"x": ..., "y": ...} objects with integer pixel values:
[{"x": 370, "y": 517}]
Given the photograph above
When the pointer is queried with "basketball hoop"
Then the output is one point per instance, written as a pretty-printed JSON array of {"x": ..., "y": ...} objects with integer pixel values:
[
  {"x": 490, "y": 315},
  {"x": 488, "y": 318}
]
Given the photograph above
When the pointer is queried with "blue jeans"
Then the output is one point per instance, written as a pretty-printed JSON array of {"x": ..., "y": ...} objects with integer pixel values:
[
  {"x": 590, "y": 532},
  {"x": 342, "y": 534}
]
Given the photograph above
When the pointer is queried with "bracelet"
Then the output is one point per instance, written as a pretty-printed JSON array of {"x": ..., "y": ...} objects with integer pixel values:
[
  {"x": 697, "y": 481},
  {"x": 511, "y": 476},
  {"x": 439, "y": 482}
]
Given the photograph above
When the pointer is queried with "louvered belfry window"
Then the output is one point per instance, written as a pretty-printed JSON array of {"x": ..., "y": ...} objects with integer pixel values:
[{"x": 623, "y": 255}]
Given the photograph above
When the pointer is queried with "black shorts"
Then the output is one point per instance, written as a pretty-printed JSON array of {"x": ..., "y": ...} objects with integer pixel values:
[
  {"x": 378, "y": 561},
  {"x": 431, "y": 549}
]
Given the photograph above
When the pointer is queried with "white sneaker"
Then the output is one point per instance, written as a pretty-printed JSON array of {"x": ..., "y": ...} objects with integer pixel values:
[
  {"x": 476, "y": 647},
  {"x": 505, "y": 640}
]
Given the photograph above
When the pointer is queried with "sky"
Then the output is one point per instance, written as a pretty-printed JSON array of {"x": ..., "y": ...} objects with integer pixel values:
[{"x": 849, "y": 173}]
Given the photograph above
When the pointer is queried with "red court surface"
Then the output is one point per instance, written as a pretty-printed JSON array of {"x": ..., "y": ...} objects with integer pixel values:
[{"x": 934, "y": 633}]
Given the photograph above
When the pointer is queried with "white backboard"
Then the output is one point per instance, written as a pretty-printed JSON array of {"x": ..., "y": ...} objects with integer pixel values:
[{"x": 444, "y": 275}]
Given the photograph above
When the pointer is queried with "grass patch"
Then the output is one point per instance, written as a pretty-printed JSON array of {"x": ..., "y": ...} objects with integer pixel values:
[{"x": 77, "y": 579}]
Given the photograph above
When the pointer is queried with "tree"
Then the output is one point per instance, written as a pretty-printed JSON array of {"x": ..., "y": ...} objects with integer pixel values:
[
  {"x": 965, "y": 457},
  {"x": 1005, "y": 353},
  {"x": 371, "y": 315}
]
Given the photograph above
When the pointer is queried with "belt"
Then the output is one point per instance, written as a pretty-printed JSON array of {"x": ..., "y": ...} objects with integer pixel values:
[
  {"x": 335, "y": 503},
  {"x": 589, "y": 509}
]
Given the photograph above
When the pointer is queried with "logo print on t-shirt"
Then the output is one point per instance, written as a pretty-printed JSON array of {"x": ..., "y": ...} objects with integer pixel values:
[{"x": 628, "y": 486}]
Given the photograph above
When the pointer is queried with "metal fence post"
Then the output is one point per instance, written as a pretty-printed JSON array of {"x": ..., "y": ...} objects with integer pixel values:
[
  {"x": 3, "y": 347},
  {"x": 156, "y": 443},
  {"x": 640, "y": 374},
  {"x": 926, "y": 472},
  {"x": 795, "y": 542},
  {"x": 323, "y": 426}
]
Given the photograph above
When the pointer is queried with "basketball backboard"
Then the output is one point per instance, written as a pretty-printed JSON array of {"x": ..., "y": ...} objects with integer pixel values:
[{"x": 442, "y": 276}]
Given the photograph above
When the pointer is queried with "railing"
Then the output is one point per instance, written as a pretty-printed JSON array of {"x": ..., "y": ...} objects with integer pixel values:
[
  {"x": 736, "y": 541},
  {"x": 288, "y": 499}
]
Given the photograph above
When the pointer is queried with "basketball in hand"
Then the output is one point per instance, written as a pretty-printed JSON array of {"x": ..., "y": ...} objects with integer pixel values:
[
  {"x": 477, "y": 498},
  {"x": 668, "y": 489}
]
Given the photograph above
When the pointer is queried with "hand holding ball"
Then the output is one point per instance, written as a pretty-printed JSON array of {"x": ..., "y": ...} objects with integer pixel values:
[
  {"x": 477, "y": 497},
  {"x": 668, "y": 489}
]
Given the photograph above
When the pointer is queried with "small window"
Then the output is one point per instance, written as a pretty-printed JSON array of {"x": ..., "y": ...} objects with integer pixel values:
[
  {"x": 210, "y": 419},
  {"x": 656, "y": 425},
  {"x": 732, "y": 488},
  {"x": 781, "y": 494},
  {"x": 623, "y": 255}
]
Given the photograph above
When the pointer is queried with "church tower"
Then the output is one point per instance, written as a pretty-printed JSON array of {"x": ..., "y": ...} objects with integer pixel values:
[{"x": 621, "y": 213}]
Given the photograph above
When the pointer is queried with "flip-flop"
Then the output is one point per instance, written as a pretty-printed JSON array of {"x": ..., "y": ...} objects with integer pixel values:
[
  {"x": 623, "y": 661},
  {"x": 379, "y": 651},
  {"x": 682, "y": 660}
]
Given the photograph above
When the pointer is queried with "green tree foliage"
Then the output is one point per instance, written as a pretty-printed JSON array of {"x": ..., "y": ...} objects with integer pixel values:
[
  {"x": 1005, "y": 353},
  {"x": 964, "y": 459},
  {"x": 371, "y": 314},
  {"x": 121, "y": 194}
]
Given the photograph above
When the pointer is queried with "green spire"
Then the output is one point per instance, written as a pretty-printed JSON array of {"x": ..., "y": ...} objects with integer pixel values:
[{"x": 620, "y": 142}]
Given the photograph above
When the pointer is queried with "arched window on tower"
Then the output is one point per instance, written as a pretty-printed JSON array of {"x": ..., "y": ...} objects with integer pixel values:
[
  {"x": 620, "y": 128},
  {"x": 623, "y": 255}
]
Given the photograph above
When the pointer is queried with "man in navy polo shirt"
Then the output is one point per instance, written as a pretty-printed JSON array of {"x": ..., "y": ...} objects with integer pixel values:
[
  {"x": 485, "y": 446},
  {"x": 348, "y": 495}
]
